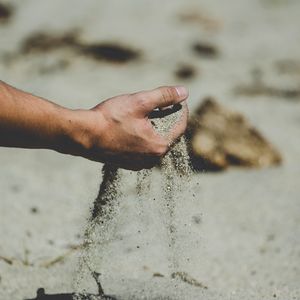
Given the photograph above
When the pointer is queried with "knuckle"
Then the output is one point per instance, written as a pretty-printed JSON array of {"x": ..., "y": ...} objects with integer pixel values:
[
  {"x": 140, "y": 99},
  {"x": 168, "y": 93},
  {"x": 160, "y": 150}
]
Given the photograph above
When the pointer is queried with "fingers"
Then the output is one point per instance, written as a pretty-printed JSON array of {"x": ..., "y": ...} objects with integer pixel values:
[
  {"x": 180, "y": 126},
  {"x": 161, "y": 97}
]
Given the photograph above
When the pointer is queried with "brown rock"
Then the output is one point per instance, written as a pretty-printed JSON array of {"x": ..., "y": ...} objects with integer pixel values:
[
  {"x": 220, "y": 137},
  {"x": 6, "y": 12}
]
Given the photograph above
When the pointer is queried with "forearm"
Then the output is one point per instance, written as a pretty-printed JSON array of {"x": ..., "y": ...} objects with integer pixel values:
[{"x": 28, "y": 121}]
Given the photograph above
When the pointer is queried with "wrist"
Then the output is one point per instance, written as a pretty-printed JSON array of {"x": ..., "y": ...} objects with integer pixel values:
[{"x": 81, "y": 131}]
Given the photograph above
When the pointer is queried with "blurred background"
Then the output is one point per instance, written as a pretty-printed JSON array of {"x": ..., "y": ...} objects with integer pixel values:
[{"x": 240, "y": 61}]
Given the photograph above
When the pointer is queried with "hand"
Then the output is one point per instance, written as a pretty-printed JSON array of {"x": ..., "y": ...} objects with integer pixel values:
[{"x": 118, "y": 130}]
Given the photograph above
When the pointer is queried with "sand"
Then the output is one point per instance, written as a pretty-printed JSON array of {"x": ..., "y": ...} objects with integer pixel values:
[
  {"x": 243, "y": 225},
  {"x": 102, "y": 225}
]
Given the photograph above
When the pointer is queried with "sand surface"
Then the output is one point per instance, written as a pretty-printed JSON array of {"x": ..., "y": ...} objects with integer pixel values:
[{"x": 240, "y": 233}]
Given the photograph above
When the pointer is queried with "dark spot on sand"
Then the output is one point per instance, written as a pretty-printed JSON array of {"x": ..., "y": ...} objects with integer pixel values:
[
  {"x": 185, "y": 72},
  {"x": 16, "y": 188},
  {"x": 205, "y": 50},
  {"x": 145, "y": 268},
  {"x": 197, "y": 219},
  {"x": 102, "y": 51},
  {"x": 34, "y": 210},
  {"x": 50, "y": 242},
  {"x": 156, "y": 274},
  {"x": 44, "y": 42},
  {"x": 41, "y": 295},
  {"x": 6, "y": 12},
  {"x": 262, "y": 250},
  {"x": 109, "y": 52},
  {"x": 128, "y": 250}
]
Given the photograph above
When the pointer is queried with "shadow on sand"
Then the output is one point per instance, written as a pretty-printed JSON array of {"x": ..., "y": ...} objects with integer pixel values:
[{"x": 40, "y": 295}]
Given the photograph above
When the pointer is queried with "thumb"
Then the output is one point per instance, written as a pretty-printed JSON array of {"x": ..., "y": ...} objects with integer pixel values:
[{"x": 162, "y": 97}]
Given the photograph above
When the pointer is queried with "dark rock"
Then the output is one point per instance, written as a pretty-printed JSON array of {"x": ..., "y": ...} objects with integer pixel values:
[
  {"x": 6, "y": 12},
  {"x": 44, "y": 42},
  {"x": 34, "y": 210},
  {"x": 205, "y": 50},
  {"x": 185, "y": 72},
  {"x": 111, "y": 52},
  {"x": 220, "y": 137}
]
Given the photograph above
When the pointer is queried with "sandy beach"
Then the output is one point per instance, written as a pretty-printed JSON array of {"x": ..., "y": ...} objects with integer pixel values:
[{"x": 239, "y": 235}]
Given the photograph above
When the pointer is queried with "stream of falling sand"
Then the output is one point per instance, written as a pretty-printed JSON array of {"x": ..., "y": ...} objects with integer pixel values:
[{"x": 101, "y": 228}]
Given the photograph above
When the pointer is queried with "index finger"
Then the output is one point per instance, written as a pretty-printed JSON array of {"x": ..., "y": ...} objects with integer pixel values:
[{"x": 162, "y": 97}]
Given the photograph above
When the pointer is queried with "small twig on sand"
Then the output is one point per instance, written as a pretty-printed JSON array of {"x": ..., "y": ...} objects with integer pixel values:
[
  {"x": 188, "y": 279},
  {"x": 96, "y": 277},
  {"x": 7, "y": 260},
  {"x": 62, "y": 257}
]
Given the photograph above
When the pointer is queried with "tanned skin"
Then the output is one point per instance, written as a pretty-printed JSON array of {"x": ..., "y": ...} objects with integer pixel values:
[{"x": 117, "y": 130}]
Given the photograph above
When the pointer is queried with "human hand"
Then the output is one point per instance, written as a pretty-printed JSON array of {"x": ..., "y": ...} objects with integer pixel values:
[{"x": 118, "y": 130}]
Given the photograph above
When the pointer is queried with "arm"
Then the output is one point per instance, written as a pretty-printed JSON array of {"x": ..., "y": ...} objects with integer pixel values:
[
  {"x": 116, "y": 131},
  {"x": 28, "y": 121}
]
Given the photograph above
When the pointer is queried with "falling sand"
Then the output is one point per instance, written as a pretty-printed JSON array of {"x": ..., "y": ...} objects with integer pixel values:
[{"x": 101, "y": 228}]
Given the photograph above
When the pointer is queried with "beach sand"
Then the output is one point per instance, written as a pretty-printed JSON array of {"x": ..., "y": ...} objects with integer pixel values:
[{"x": 240, "y": 233}]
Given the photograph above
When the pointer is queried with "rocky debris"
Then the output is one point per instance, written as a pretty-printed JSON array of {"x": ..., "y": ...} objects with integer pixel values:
[
  {"x": 6, "y": 12},
  {"x": 288, "y": 66},
  {"x": 41, "y": 42},
  {"x": 220, "y": 137},
  {"x": 201, "y": 18},
  {"x": 205, "y": 50},
  {"x": 109, "y": 52},
  {"x": 258, "y": 87},
  {"x": 185, "y": 72}
]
